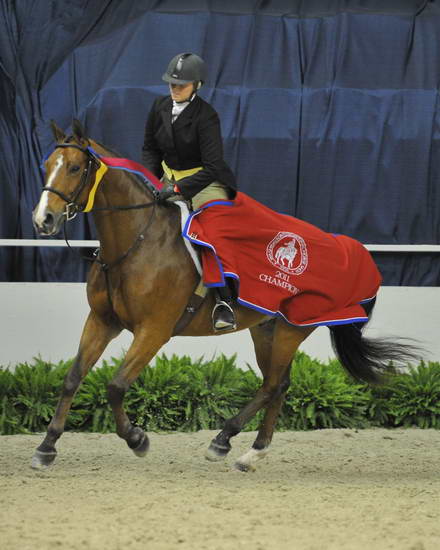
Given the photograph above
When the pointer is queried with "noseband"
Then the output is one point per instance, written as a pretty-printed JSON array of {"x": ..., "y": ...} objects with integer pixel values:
[{"x": 72, "y": 207}]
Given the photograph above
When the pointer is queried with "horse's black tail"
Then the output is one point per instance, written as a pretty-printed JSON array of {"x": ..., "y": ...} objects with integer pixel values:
[{"x": 368, "y": 359}]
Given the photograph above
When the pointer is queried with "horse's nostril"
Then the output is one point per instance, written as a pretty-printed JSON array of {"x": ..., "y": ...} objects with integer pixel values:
[{"x": 48, "y": 221}]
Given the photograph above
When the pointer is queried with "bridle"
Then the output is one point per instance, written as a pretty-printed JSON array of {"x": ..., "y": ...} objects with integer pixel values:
[{"x": 72, "y": 207}]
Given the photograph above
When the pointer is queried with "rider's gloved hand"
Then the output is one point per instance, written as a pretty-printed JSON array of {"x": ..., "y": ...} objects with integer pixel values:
[{"x": 165, "y": 194}]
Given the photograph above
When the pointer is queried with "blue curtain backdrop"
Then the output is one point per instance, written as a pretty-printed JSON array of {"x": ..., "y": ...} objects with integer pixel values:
[{"x": 329, "y": 109}]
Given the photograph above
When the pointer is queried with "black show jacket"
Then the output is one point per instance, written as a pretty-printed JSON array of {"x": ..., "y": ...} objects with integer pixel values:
[{"x": 193, "y": 140}]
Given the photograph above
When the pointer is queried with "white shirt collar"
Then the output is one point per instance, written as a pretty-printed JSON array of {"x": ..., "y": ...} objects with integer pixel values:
[{"x": 179, "y": 107}]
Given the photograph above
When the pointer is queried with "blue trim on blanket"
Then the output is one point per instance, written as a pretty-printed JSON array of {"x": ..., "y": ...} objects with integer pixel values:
[
  {"x": 367, "y": 300},
  {"x": 215, "y": 203},
  {"x": 207, "y": 245},
  {"x": 188, "y": 221}
]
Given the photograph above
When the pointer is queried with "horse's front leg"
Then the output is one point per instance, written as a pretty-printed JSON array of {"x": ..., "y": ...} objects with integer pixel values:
[
  {"x": 95, "y": 337},
  {"x": 146, "y": 343}
]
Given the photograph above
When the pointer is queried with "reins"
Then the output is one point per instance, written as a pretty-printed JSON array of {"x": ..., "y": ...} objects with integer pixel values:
[{"x": 132, "y": 207}]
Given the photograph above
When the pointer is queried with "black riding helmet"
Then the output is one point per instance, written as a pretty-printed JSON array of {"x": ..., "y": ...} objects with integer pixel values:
[{"x": 185, "y": 68}]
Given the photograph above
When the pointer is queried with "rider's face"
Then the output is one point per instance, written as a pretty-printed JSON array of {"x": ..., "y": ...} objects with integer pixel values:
[{"x": 181, "y": 92}]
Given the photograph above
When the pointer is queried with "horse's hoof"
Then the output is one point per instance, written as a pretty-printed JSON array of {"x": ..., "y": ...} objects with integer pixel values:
[
  {"x": 216, "y": 452},
  {"x": 244, "y": 467},
  {"x": 246, "y": 463},
  {"x": 42, "y": 460},
  {"x": 139, "y": 442},
  {"x": 143, "y": 447}
]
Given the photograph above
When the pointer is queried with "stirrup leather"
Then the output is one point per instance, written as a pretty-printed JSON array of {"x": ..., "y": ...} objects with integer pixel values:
[{"x": 219, "y": 322}]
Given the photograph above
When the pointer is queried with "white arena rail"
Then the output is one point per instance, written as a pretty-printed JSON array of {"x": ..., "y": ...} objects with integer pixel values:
[
  {"x": 48, "y": 242},
  {"x": 93, "y": 244}
]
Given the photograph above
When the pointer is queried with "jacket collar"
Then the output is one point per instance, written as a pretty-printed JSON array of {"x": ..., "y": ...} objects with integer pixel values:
[
  {"x": 184, "y": 118},
  {"x": 187, "y": 114}
]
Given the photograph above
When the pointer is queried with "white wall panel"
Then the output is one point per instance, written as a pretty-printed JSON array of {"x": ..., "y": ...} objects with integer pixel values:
[{"x": 46, "y": 319}]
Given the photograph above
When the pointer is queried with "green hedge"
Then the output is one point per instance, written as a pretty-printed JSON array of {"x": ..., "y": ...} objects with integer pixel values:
[{"x": 180, "y": 394}]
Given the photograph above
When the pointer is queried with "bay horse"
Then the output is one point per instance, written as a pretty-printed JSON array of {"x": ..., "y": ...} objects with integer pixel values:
[{"x": 142, "y": 281}]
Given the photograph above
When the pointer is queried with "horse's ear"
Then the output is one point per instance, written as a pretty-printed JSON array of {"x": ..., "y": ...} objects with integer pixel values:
[
  {"x": 58, "y": 134},
  {"x": 78, "y": 131}
]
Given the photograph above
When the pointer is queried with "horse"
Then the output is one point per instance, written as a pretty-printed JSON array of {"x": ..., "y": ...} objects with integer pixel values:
[
  {"x": 287, "y": 252},
  {"x": 142, "y": 281}
]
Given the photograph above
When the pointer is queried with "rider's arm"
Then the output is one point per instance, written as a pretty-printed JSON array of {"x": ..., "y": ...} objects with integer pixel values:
[{"x": 211, "y": 154}]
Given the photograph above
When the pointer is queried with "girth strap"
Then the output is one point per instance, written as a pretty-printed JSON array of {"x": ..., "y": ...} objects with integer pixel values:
[{"x": 193, "y": 306}]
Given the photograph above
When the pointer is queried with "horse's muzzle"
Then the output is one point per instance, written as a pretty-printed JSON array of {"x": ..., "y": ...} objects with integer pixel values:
[{"x": 48, "y": 224}]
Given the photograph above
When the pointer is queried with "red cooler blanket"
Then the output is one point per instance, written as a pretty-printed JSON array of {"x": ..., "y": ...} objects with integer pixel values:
[{"x": 283, "y": 265}]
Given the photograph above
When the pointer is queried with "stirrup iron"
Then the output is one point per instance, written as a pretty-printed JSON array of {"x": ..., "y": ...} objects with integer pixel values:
[{"x": 222, "y": 324}]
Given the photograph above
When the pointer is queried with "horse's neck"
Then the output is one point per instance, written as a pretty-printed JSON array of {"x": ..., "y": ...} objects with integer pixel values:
[{"x": 118, "y": 230}]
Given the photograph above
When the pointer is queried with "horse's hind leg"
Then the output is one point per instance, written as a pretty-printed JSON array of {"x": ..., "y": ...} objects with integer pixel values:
[
  {"x": 220, "y": 446},
  {"x": 95, "y": 337},
  {"x": 275, "y": 345},
  {"x": 260, "y": 447},
  {"x": 285, "y": 343}
]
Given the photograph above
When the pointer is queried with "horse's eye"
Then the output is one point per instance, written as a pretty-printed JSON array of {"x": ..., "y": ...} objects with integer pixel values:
[{"x": 74, "y": 169}]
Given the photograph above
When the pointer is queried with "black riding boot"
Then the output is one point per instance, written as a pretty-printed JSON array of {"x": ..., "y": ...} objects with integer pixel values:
[{"x": 223, "y": 317}]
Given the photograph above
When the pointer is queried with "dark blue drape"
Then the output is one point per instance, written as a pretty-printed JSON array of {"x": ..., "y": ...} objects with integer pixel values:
[{"x": 328, "y": 109}]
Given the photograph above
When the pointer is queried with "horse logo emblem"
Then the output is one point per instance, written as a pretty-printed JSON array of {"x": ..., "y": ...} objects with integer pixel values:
[{"x": 288, "y": 252}]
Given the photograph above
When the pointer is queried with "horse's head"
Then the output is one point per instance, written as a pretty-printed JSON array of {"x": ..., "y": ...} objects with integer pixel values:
[{"x": 68, "y": 180}]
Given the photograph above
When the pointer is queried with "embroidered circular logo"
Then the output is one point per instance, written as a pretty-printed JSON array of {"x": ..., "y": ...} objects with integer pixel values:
[{"x": 288, "y": 252}]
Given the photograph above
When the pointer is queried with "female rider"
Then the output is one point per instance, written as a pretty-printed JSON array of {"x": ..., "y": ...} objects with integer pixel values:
[{"x": 183, "y": 146}]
